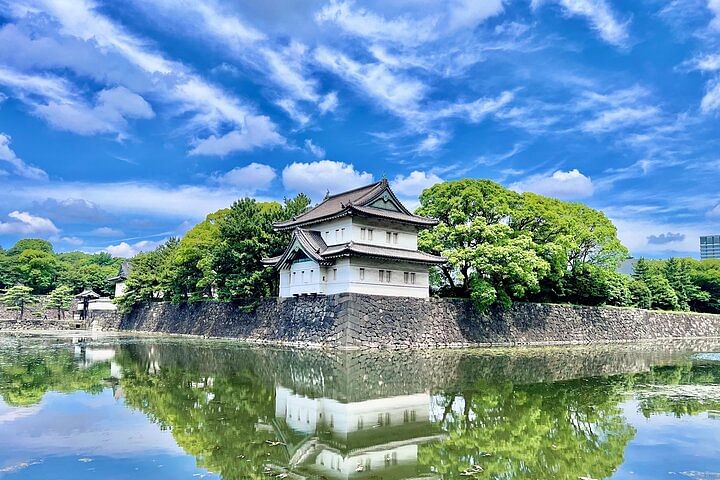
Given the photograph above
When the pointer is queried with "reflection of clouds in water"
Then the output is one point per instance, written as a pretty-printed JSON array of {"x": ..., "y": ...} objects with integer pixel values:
[
  {"x": 715, "y": 357},
  {"x": 702, "y": 475},
  {"x": 18, "y": 466},
  {"x": 84, "y": 424},
  {"x": 10, "y": 414}
]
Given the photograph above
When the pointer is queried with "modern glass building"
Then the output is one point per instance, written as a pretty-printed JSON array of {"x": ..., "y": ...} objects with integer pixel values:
[{"x": 709, "y": 246}]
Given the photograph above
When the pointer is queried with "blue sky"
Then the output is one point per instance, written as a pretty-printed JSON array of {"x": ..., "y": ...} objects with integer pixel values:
[{"x": 122, "y": 123}]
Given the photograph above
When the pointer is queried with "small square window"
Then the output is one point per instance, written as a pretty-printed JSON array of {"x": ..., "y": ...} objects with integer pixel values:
[
  {"x": 362, "y": 274},
  {"x": 412, "y": 278},
  {"x": 342, "y": 234},
  {"x": 381, "y": 275},
  {"x": 362, "y": 233},
  {"x": 388, "y": 237},
  {"x": 388, "y": 276},
  {"x": 334, "y": 273},
  {"x": 395, "y": 238},
  {"x": 406, "y": 277},
  {"x": 370, "y": 232}
]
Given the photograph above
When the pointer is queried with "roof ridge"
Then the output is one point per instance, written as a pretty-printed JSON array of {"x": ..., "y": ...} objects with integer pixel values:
[{"x": 374, "y": 184}]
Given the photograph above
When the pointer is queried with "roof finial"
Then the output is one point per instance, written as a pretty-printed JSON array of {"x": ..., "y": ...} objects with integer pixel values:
[{"x": 327, "y": 194}]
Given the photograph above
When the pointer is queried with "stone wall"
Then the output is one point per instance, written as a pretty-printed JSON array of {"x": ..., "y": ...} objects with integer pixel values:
[{"x": 352, "y": 320}]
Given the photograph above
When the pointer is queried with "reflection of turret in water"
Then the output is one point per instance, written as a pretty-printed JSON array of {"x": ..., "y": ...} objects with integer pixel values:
[{"x": 356, "y": 439}]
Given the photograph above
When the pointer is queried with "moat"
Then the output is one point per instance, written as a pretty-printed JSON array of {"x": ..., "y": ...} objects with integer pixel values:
[{"x": 117, "y": 407}]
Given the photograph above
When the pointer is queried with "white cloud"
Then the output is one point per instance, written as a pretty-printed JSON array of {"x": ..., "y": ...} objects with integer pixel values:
[
  {"x": 19, "y": 166},
  {"x": 126, "y": 250},
  {"x": 601, "y": 18},
  {"x": 412, "y": 185},
  {"x": 74, "y": 241},
  {"x": 250, "y": 178},
  {"x": 714, "y": 212},
  {"x": 256, "y": 132},
  {"x": 615, "y": 119},
  {"x": 367, "y": 24},
  {"x": 405, "y": 29},
  {"x": 714, "y": 7},
  {"x": 328, "y": 103},
  {"x": 317, "y": 178},
  {"x": 396, "y": 93},
  {"x": 109, "y": 114},
  {"x": 432, "y": 142},
  {"x": 115, "y": 56},
  {"x": 316, "y": 150},
  {"x": 106, "y": 232},
  {"x": 476, "y": 110},
  {"x": 123, "y": 198},
  {"x": 26, "y": 224},
  {"x": 565, "y": 185},
  {"x": 711, "y": 100}
]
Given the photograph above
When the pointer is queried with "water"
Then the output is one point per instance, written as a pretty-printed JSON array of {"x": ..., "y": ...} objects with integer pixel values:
[{"x": 120, "y": 407}]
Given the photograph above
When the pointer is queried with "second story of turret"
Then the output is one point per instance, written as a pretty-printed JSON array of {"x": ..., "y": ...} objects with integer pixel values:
[{"x": 370, "y": 215}]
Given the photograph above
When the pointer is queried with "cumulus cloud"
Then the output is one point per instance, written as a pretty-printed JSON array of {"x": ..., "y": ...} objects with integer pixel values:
[
  {"x": 23, "y": 223},
  {"x": 600, "y": 16},
  {"x": 127, "y": 250},
  {"x": 665, "y": 238},
  {"x": 317, "y": 178},
  {"x": 18, "y": 165},
  {"x": 565, "y": 185},
  {"x": 412, "y": 185},
  {"x": 256, "y": 132},
  {"x": 250, "y": 178},
  {"x": 316, "y": 150}
]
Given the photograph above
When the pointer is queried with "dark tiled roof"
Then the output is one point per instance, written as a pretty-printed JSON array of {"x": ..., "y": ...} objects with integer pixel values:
[
  {"x": 392, "y": 215},
  {"x": 315, "y": 248},
  {"x": 123, "y": 272},
  {"x": 354, "y": 201}
]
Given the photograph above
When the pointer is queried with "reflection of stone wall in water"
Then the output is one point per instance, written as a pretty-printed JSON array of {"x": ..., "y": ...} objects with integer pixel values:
[
  {"x": 351, "y": 376},
  {"x": 351, "y": 320}
]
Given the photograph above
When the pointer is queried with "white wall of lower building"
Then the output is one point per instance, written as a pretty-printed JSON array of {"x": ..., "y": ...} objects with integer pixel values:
[
  {"x": 119, "y": 289},
  {"x": 356, "y": 275}
]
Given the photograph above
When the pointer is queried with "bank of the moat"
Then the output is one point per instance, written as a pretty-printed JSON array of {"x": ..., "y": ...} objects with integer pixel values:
[{"x": 351, "y": 320}]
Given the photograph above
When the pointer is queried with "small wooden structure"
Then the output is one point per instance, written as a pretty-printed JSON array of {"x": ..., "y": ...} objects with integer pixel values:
[{"x": 83, "y": 298}]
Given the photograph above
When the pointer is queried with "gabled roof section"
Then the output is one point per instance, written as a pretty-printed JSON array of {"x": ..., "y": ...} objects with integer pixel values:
[
  {"x": 123, "y": 272},
  {"x": 376, "y": 199},
  {"x": 310, "y": 243}
]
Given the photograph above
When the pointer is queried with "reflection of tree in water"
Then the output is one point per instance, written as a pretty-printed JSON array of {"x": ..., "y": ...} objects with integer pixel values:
[
  {"x": 220, "y": 418},
  {"x": 25, "y": 377},
  {"x": 689, "y": 388},
  {"x": 563, "y": 430}
]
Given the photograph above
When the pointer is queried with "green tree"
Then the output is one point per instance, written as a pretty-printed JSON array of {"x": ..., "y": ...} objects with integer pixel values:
[
  {"x": 37, "y": 269},
  {"x": 17, "y": 298},
  {"x": 9, "y": 274},
  {"x": 663, "y": 295},
  {"x": 31, "y": 244},
  {"x": 640, "y": 294},
  {"x": 150, "y": 276},
  {"x": 61, "y": 299},
  {"x": 469, "y": 211},
  {"x": 194, "y": 277},
  {"x": 246, "y": 237},
  {"x": 594, "y": 285}
]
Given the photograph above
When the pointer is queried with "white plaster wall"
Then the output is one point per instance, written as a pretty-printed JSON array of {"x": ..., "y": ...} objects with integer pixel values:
[
  {"x": 119, "y": 289},
  {"x": 332, "y": 231},
  {"x": 301, "y": 278},
  {"x": 348, "y": 278},
  {"x": 334, "y": 464},
  {"x": 333, "y": 234},
  {"x": 397, "y": 287},
  {"x": 407, "y": 235}
]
